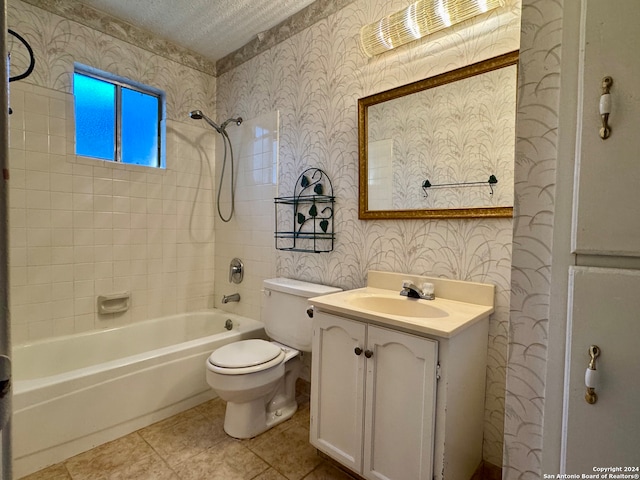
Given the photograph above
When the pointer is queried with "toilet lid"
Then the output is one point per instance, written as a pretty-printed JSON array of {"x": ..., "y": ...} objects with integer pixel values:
[{"x": 245, "y": 353}]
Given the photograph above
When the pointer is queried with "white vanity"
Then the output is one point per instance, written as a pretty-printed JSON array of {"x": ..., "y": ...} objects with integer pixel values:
[{"x": 397, "y": 383}]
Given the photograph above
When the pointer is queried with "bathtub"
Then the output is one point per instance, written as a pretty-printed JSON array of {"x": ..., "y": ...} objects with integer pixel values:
[{"x": 75, "y": 392}]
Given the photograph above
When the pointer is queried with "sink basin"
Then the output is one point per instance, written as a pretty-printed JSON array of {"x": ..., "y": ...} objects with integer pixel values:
[
  {"x": 457, "y": 306},
  {"x": 402, "y": 306}
]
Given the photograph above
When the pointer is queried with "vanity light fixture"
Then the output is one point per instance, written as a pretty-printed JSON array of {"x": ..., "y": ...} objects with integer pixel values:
[{"x": 418, "y": 20}]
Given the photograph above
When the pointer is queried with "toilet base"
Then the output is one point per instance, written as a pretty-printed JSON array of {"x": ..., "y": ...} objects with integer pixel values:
[
  {"x": 247, "y": 420},
  {"x": 280, "y": 415}
]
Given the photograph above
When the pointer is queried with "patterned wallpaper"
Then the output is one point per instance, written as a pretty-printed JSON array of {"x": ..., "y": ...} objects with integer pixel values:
[
  {"x": 58, "y": 42},
  {"x": 314, "y": 80},
  {"x": 98, "y": 21},
  {"x": 536, "y": 157}
]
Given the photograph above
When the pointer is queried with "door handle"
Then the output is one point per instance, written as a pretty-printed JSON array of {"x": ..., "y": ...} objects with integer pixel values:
[
  {"x": 591, "y": 376},
  {"x": 605, "y": 107}
]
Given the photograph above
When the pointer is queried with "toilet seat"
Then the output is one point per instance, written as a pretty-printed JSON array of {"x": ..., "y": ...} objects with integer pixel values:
[{"x": 245, "y": 356}]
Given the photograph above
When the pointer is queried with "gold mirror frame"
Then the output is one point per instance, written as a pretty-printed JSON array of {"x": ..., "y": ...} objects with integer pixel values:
[{"x": 364, "y": 213}]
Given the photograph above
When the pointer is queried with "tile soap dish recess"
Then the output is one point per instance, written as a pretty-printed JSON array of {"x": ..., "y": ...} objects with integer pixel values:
[
  {"x": 114, "y": 303},
  {"x": 304, "y": 221}
]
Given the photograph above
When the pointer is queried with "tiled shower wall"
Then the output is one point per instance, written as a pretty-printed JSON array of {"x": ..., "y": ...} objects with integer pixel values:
[
  {"x": 249, "y": 233},
  {"x": 80, "y": 227}
]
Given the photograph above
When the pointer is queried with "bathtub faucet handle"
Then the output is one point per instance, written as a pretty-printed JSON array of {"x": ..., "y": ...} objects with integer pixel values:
[{"x": 236, "y": 271}]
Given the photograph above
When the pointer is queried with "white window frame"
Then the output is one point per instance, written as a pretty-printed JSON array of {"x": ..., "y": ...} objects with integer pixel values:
[{"x": 121, "y": 82}]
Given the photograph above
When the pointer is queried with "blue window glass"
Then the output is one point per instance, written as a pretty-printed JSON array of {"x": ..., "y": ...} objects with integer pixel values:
[
  {"x": 117, "y": 119},
  {"x": 139, "y": 128},
  {"x": 95, "y": 117}
]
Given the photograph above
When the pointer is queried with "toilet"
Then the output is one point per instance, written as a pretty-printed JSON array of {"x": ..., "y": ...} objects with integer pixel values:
[{"x": 257, "y": 378}]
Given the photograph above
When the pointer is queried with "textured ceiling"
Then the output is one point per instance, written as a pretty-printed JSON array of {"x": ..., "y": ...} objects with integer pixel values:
[{"x": 212, "y": 28}]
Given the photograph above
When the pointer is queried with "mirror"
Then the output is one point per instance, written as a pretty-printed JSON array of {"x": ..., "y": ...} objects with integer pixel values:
[{"x": 442, "y": 147}]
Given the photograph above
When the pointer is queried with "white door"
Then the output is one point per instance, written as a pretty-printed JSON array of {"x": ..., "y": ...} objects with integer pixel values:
[
  {"x": 604, "y": 303},
  {"x": 400, "y": 405},
  {"x": 337, "y": 379},
  {"x": 606, "y": 313}
]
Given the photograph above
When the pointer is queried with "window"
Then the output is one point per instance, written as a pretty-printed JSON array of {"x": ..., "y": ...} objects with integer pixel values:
[{"x": 117, "y": 119}]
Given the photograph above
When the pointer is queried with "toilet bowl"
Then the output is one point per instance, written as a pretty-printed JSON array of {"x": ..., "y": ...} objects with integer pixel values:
[
  {"x": 258, "y": 395},
  {"x": 257, "y": 378}
]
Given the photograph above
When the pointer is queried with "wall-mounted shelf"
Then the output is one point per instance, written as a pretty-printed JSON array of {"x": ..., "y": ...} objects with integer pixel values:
[
  {"x": 491, "y": 182},
  {"x": 304, "y": 221}
]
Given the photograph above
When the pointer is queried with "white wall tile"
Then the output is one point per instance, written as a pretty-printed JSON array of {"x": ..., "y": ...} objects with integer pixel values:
[
  {"x": 36, "y": 122},
  {"x": 61, "y": 182},
  {"x": 62, "y": 273},
  {"x": 61, "y": 237},
  {"x": 38, "y": 199},
  {"x": 36, "y": 142},
  {"x": 62, "y": 255}
]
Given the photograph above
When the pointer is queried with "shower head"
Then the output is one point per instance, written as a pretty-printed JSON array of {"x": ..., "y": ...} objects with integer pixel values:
[{"x": 198, "y": 115}]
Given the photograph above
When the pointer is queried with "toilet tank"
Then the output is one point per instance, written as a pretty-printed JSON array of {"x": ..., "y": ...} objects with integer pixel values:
[{"x": 284, "y": 310}]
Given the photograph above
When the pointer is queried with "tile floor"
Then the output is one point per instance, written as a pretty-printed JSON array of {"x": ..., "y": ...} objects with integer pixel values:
[{"x": 192, "y": 445}]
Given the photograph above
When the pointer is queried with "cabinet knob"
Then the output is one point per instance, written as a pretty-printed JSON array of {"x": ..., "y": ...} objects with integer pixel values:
[
  {"x": 310, "y": 312},
  {"x": 357, "y": 351},
  {"x": 368, "y": 353}
]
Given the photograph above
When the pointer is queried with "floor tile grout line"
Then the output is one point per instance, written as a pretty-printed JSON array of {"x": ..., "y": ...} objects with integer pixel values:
[
  {"x": 245, "y": 445},
  {"x": 266, "y": 469},
  {"x": 144, "y": 457},
  {"x": 158, "y": 454},
  {"x": 202, "y": 416},
  {"x": 64, "y": 464}
]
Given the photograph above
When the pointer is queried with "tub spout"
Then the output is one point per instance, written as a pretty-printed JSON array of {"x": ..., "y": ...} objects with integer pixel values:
[{"x": 234, "y": 297}]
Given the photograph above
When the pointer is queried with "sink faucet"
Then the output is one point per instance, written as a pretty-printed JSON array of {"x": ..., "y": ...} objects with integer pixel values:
[
  {"x": 412, "y": 291},
  {"x": 234, "y": 297}
]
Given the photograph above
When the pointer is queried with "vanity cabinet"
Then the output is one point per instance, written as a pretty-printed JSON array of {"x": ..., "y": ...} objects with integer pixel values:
[
  {"x": 394, "y": 403},
  {"x": 373, "y": 398}
]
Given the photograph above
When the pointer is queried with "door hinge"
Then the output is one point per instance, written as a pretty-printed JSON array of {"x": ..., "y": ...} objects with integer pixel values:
[{"x": 438, "y": 371}]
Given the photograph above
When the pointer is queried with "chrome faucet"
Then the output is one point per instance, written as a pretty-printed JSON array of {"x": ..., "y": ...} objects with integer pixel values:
[
  {"x": 412, "y": 291},
  {"x": 234, "y": 297}
]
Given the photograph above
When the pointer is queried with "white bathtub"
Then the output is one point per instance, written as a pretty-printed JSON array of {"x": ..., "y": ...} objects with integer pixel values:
[{"x": 75, "y": 392}]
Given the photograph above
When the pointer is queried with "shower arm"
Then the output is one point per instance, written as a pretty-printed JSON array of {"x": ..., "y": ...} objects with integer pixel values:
[{"x": 238, "y": 121}]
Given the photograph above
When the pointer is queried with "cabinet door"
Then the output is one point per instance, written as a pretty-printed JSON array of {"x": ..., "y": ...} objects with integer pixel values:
[
  {"x": 337, "y": 381},
  {"x": 604, "y": 306},
  {"x": 606, "y": 219},
  {"x": 400, "y": 405}
]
